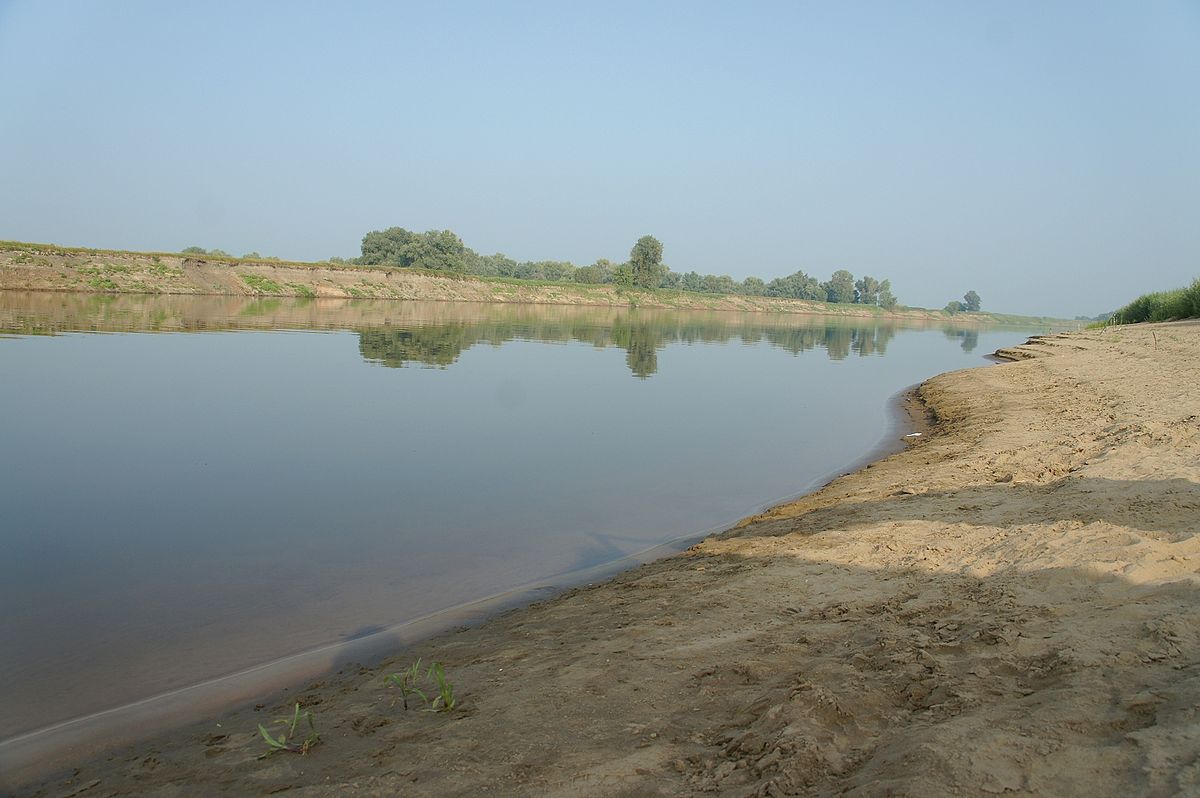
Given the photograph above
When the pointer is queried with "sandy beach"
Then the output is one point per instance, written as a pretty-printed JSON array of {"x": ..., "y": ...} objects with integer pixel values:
[{"x": 1007, "y": 606}]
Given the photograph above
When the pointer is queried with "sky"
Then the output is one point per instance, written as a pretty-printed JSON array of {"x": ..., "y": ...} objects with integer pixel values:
[{"x": 1043, "y": 154}]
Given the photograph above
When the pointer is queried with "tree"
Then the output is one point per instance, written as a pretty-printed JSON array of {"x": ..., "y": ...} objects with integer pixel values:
[
  {"x": 599, "y": 272},
  {"x": 796, "y": 286},
  {"x": 496, "y": 265},
  {"x": 390, "y": 246},
  {"x": 671, "y": 280},
  {"x": 623, "y": 274},
  {"x": 840, "y": 287},
  {"x": 971, "y": 301},
  {"x": 887, "y": 300},
  {"x": 753, "y": 286},
  {"x": 954, "y": 306},
  {"x": 866, "y": 291},
  {"x": 645, "y": 260},
  {"x": 437, "y": 249},
  {"x": 691, "y": 281},
  {"x": 719, "y": 284},
  {"x": 194, "y": 251},
  {"x": 433, "y": 249}
]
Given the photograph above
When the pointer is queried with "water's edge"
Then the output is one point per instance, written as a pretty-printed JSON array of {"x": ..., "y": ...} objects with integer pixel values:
[{"x": 39, "y": 753}]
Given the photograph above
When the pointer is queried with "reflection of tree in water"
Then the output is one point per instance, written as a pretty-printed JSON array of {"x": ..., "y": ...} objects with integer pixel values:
[
  {"x": 969, "y": 338},
  {"x": 429, "y": 346},
  {"x": 640, "y": 336},
  {"x": 838, "y": 341},
  {"x": 640, "y": 342},
  {"x": 873, "y": 340}
]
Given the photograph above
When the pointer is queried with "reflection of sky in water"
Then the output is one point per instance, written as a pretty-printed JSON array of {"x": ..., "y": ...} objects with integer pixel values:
[{"x": 177, "y": 506}]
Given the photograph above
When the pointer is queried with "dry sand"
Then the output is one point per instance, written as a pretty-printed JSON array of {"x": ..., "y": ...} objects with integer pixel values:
[{"x": 1009, "y": 606}]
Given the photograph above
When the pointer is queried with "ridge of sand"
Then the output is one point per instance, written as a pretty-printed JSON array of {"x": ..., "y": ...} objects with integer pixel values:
[{"x": 1009, "y": 606}]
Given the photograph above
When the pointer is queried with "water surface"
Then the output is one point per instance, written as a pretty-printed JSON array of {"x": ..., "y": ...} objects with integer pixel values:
[{"x": 264, "y": 477}]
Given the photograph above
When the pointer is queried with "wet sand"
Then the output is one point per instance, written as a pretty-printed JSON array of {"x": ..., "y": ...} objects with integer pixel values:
[{"x": 1007, "y": 606}]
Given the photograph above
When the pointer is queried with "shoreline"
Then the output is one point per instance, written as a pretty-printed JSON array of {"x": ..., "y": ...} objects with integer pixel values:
[
  {"x": 23, "y": 754},
  {"x": 1006, "y": 606}
]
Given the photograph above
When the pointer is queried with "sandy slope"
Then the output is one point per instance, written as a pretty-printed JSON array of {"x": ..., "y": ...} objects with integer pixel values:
[{"x": 1010, "y": 606}]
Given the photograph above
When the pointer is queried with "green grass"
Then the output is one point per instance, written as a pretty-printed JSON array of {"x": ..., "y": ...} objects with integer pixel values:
[
  {"x": 262, "y": 285},
  {"x": 160, "y": 269},
  {"x": 302, "y": 290},
  {"x": 289, "y": 740},
  {"x": 1182, "y": 303},
  {"x": 408, "y": 681}
]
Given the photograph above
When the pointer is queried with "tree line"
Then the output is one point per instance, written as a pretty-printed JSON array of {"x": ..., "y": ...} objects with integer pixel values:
[{"x": 443, "y": 250}]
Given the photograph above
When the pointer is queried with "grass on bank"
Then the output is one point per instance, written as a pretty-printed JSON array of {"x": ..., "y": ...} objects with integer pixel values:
[{"x": 1182, "y": 303}]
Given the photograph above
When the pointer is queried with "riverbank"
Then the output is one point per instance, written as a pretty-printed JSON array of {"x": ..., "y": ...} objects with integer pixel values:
[
  {"x": 44, "y": 267},
  {"x": 1006, "y": 606}
]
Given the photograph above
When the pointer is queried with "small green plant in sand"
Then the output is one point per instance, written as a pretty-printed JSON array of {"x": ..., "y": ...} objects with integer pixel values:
[
  {"x": 444, "y": 701},
  {"x": 407, "y": 683},
  {"x": 289, "y": 740}
]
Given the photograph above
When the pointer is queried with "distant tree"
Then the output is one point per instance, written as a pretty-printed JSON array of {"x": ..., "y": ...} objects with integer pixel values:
[
  {"x": 194, "y": 251},
  {"x": 866, "y": 291},
  {"x": 497, "y": 265},
  {"x": 753, "y": 286},
  {"x": 645, "y": 260},
  {"x": 219, "y": 253},
  {"x": 971, "y": 301},
  {"x": 670, "y": 280},
  {"x": 623, "y": 274},
  {"x": 251, "y": 256},
  {"x": 887, "y": 300},
  {"x": 386, "y": 247},
  {"x": 554, "y": 270},
  {"x": 599, "y": 272},
  {"x": 691, "y": 281},
  {"x": 954, "y": 306},
  {"x": 840, "y": 287},
  {"x": 433, "y": 249},
  {"x": 796, "y": 286},
  {"x": 438, "y": 249}
]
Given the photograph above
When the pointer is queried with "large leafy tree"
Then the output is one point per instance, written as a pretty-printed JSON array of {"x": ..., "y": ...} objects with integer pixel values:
[
  {"x": 395, "y": 246},
  {"x": 388, "y": 246},
  {"x": 866, "y": 291},
  {"x": 645, "y": 261},
  {"x": 796, "y": 286},
  {"x": 971, "y": 301},
  {"x": 887, "y": 299},
  {"x": 753, "y": 286},
  {"x": 839, "y": 287}
]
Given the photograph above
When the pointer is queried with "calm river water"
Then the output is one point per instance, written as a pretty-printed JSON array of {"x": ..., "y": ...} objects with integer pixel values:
[{"x": 267, "y": 477}]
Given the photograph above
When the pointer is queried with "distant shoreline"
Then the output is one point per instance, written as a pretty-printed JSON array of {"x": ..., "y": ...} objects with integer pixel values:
[{"x": 45, "y": 267}]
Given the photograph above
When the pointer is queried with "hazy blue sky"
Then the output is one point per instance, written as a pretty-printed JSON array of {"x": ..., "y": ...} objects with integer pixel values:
[{"x": 1046, "y": 155}]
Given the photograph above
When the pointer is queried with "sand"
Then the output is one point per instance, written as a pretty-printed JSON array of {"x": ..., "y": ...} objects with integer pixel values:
[{"x": 1009, "y": 606}]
